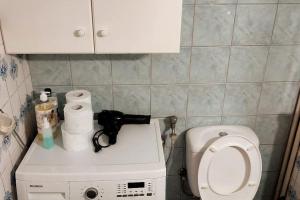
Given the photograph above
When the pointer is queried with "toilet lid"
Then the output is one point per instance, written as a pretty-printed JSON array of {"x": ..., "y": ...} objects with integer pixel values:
[{"x": 230, "y": 169}]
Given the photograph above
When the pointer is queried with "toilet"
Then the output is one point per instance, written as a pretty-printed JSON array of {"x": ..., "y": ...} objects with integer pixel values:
[{"x": 223, "y": 162}]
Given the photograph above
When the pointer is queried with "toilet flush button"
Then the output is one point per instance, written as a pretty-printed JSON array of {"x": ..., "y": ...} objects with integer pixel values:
[
  {"x": 204, "y": 186},
  {"x": 251, "y": 184},
  {"x": 213, "y": 149}
]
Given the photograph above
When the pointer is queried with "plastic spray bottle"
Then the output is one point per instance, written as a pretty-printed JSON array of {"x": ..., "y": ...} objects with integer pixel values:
[{"x": 48, "y": 142}]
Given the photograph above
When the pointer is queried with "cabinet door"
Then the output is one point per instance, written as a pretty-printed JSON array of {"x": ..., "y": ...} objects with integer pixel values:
[
  {"x": 47, "y": 26},
  {"x": 137, "y": 26}
]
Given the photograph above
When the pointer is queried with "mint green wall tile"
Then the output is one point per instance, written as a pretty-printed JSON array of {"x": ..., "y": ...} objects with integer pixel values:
[
  {"x": 254, "y": 24},
  {"x": 171, "y": 68},
  {"x": 283, "y": 64},
  {"x": 241, "y": 99},
  {"x": 287, "y": 24},
  {"x": 90, "y": 69},
  {"x": 131, "y": 69},
  {"x": 209, "y": 64},
  {"x": 247, "y": 64},
  {"x": 213, "y": 25},
  {"x": 50, "y": 70},
  {"x": 132, "y": 99}
]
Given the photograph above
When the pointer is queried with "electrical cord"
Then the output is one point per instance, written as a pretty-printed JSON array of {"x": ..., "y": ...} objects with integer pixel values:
[
  {"x": 96, "y": 143},
  {"x": 170, "y": 153},
  {"x": 173, "y": 136},
  {"x": 173, "y": 139}
]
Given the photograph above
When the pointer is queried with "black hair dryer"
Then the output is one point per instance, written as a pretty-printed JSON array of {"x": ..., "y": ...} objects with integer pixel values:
[{"x": 112, "y": 122}]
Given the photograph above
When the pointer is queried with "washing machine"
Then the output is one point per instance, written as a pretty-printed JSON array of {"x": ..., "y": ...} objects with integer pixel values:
[{"x": 133, "y": 168}]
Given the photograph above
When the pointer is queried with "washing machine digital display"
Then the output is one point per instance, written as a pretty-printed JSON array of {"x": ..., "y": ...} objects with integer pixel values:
[{"x": 136, "y": 185}]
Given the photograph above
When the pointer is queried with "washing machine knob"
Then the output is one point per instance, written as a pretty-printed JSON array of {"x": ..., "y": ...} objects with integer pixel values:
[{"x": 91, "y": 193}]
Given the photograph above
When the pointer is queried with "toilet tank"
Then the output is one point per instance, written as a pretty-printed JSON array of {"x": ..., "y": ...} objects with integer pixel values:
[{"x": 197, "y": 141}]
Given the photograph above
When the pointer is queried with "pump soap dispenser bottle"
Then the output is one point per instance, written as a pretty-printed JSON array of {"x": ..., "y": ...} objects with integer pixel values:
[
  {"x": 45, "y": 108},
  {"x": 48, "y": 142}
]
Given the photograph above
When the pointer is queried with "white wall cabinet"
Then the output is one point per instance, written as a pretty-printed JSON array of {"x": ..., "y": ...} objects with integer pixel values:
[
  {"x": 131, "y": 26},
  {"x": 47, "y": 26},
  {"x": 90, "y": 26}
]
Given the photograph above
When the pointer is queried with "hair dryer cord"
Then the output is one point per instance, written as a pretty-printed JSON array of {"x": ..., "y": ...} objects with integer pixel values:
[{"x": 96, "y": 143}]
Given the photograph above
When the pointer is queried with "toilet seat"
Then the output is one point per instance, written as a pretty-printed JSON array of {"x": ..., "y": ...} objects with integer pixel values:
[{"x": 230, "y": 169}]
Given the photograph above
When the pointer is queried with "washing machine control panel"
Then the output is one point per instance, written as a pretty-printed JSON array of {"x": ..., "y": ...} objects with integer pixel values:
[
  {"x": 120, "y": 190},
  {"x": 135, "y": 189}
]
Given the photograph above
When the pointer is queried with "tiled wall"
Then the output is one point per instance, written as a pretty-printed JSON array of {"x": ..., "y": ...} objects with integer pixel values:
[
  {"x": 239, "y": 64},
  {"x": 15, "y": 95}
]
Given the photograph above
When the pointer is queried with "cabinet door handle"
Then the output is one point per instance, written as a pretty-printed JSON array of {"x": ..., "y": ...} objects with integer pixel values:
[
  {"x": 103, "y": 33},
  {"x": 79, "y": 33}
]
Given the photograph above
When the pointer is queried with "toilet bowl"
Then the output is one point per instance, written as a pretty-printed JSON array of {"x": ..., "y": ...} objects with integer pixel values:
[{"x": 223, "y": 162}]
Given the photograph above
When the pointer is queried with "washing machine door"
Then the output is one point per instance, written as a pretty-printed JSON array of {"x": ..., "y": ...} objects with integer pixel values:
[{"x": 230, "y": 169}]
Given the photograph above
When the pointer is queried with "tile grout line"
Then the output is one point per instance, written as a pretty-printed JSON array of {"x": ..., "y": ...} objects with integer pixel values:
[
  {"x": 181, "y": 194},
  {"x": 178, "y": 84},
  {"x": 190, "y": 68},
  {"x": 243, "y": 45},
  {"x": 112, "y": 82},
  {"x": 239, "y": 3},
  {"x": 228, "y": 64},
  {"x": 150, "y": 87},
  {"x": 70, "y": 70},
  {"x": 192, "y": 42},
  {"x": 265, "y": 69}
]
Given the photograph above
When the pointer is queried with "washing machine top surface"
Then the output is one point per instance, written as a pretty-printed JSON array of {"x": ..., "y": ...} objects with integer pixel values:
[
  {"x": 230, "y": 169},
  {"x": 138, "y": 150},
  {"x": 198, "y": 139}
]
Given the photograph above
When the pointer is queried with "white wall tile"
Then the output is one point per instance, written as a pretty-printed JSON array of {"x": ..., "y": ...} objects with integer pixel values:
[
  {"x": 1, "y": 40},
  {"x": 22, "y": 93},
  {"x": 22, "y": 131},
  {"x": 10, "y": 81},
  {"x": 12, "y": 148},
  {"x": 28, "y": 83},
  {"x": 2, "y": 51},
  {"x": 6, "y": 177},
  {"x": 3, "y": 92},
  {"x": 4, "y": 160},
  {"x": 2, "y": 191},
  {"x": 15, "y": 104},
  {"x": 15, "y": 154},
  {"x": 7, "y": 109}
]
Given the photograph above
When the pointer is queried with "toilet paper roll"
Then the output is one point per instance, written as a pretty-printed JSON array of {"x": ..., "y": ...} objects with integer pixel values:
[
  {"x": 79, "y": 96},
  {"x": 76, "y": 142},
  {"x": 78, "y": 118}
]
